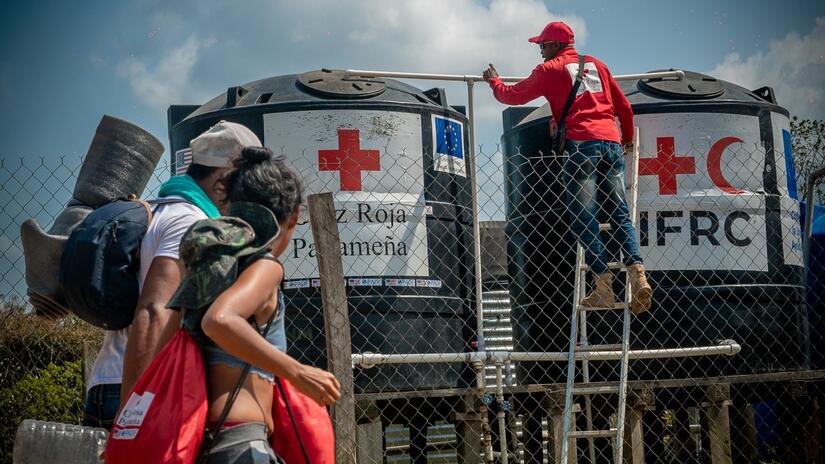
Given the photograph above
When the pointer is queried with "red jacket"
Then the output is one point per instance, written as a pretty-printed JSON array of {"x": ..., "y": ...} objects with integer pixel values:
[{"x": 599, "y": 100}]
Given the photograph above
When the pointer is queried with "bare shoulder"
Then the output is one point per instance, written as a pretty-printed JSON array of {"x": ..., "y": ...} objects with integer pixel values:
[{"x": 264, "y": 271}]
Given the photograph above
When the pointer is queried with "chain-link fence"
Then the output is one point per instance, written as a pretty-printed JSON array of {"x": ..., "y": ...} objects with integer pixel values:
[{"x": 725, "y": 367}]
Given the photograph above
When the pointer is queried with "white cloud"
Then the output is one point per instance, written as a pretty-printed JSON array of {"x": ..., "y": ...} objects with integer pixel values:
[
  {"x": 455, "y": 37},
  {"x": 432, "y": 36},
  {"x": 169, "y": 80},
  {"x": 459, "y": 36},
  {"x": 794, "y": 66}
]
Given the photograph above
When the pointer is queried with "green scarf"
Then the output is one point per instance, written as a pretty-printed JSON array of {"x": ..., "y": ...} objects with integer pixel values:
[{"x": 186, "y": 188}]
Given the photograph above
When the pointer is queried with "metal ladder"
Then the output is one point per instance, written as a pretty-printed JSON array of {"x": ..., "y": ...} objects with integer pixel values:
[{"x": 579, "y": 345}]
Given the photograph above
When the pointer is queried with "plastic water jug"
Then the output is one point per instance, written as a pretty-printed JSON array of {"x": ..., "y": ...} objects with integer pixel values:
[{"x": 39, "y": 442}]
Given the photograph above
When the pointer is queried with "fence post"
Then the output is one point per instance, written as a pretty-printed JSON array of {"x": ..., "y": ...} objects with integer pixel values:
[
  {"x": 638, "y": 401},
  {"x": 554, "y": 405},
  {"x": 336, "y": 322},
  {"x": 468, "y": 431},
  {"x": 370, "y": 433},
  {"x": 718, "y": 402}
]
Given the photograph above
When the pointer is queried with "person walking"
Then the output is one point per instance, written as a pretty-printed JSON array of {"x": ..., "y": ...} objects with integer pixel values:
[
  {"x": 231, "y": 303},
  {"x": 186, "y": 199}
]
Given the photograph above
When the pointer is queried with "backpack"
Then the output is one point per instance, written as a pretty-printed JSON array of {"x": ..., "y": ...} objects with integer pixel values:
[
  {"x": 303, "y": 432},
  {"x": 100, "y": 264},
  {"x": 165, "y": 413}
]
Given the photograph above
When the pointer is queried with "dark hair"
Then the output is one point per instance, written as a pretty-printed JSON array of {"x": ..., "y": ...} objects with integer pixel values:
[
  {"x": 262, "y": 177},
  {"x": 199, "y": 171}
]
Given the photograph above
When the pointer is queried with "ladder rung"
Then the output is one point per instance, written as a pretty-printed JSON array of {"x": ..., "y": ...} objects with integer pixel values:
[
  {"x": 606, "y": 347},
  {"x": 615, "y": 306},
  {"x": 605, "y": 390},
  {"x": 593, "y": 433},
  {"x": 611, "y": 265}
]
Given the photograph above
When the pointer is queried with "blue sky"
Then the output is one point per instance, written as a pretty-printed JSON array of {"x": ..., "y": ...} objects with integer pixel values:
[{"x": 64, "y": 64}]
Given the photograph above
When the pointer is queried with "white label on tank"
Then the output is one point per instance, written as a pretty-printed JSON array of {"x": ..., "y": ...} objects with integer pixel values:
[
  {"x": 786, "y": 184},
  {"x": 372, "y": 161},
  {"x": 700, "y": 192}
]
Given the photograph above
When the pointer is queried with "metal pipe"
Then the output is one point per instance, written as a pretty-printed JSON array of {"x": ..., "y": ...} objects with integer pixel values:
[
  {"x": 588, "y": 400},
  {"x": 571, "y": 360},
  {"x": 502, "y": 426},
  {"x": 481, "y": 383},
  {"x": 471, "y": 166},
  {"x": 677, "y": 74},
  {"x": 486, "y": 438},
  {"x": 367, "y": 360}
]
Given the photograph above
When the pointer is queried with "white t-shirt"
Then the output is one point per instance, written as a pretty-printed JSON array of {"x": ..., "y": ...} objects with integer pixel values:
[{"x": 162, "y": 239}]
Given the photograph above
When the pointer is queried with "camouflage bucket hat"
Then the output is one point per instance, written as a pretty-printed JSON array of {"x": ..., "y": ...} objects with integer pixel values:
[{"x": 214, "y": 250}]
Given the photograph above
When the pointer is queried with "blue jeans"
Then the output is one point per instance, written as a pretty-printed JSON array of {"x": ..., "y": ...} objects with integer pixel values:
[
  {"x": 102, "y": 403},
  {"x": 593, "y": 174}
]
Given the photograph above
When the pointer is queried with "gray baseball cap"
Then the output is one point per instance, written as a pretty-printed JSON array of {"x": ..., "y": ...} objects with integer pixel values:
[{"x": 222, "y": 143}]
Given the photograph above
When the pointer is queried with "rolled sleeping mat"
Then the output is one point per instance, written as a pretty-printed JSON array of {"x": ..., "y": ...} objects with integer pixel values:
[
  {"x": 119, "y": 163},
  {"x": 41, "y": 253},
  {"x": 73, "y": 214}
]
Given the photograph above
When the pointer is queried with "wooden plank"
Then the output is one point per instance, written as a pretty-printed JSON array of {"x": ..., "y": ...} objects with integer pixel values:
[
  {"x": 554, "y": 405},
  {"x": 635, "y": 385},
  {"x": 633, "y": 450},
  {"x": 336, "y": 322},
  {"x": 638, "y": 402},
  {"x": 468, "y": 431},
  {"x": 370, "y": 443},
  {"x": 718, "y": 416}
]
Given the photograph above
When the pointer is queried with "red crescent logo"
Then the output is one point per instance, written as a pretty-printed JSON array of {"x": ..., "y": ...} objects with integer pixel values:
[{"x": 715, "y": 165}]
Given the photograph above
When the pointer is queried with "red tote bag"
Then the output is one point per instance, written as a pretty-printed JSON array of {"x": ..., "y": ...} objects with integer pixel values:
[
  {"x": 303, "y": 431},
  {"x": 164, "y": 418}
]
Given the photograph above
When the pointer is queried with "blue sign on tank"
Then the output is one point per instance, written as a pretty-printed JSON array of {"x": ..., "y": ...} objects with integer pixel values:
[
  {"x": 790, "y": 172},
  {"x": 449, "y": 138}
]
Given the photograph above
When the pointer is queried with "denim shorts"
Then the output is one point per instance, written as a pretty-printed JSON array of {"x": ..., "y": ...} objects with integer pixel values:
[
  {"x": 213, "y": 354},
  {"x": 102, "y": 403}
]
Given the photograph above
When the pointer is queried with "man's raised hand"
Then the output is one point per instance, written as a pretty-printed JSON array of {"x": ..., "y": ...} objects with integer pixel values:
[{"x": 489, "y": 73}]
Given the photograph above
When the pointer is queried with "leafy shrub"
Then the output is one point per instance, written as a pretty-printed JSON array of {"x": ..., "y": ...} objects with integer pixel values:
[
  {"x": 41, "y": 370},
  {"x": 52, "y": 394},
  {"x": 29, "y": 342}
]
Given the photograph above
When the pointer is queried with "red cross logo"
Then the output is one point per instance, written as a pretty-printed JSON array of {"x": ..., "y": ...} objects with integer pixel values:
[
  {"x": 666, "y": 165},
  {"x": 349, "y": 159}
]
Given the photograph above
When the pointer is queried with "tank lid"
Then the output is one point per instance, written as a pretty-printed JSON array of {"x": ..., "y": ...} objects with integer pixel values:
[
  {"x": 337, "y": 84},
  {"x": 693, "y": 85}
]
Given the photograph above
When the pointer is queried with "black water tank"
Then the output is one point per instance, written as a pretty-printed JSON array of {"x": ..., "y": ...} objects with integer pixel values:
[
  {"x": 719, "y": 231},
  {"x": 393, "y": 156}
]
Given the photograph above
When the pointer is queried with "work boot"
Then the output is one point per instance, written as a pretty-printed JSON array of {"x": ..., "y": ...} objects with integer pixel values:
[
  {"x": 602, "y": 294},
  {"x": 641, "y": 299}
]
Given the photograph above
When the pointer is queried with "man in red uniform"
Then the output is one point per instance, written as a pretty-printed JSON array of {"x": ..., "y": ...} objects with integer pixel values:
[{"x": 594, "y": 162}]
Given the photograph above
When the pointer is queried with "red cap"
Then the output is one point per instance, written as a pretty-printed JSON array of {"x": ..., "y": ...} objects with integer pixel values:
[{"x": 556, "y": 31}]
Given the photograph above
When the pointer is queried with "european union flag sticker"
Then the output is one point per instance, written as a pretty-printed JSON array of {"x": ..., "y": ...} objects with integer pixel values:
[
  {"x": 448, "y": 146},
  {"x": 790, "y": 172}
]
